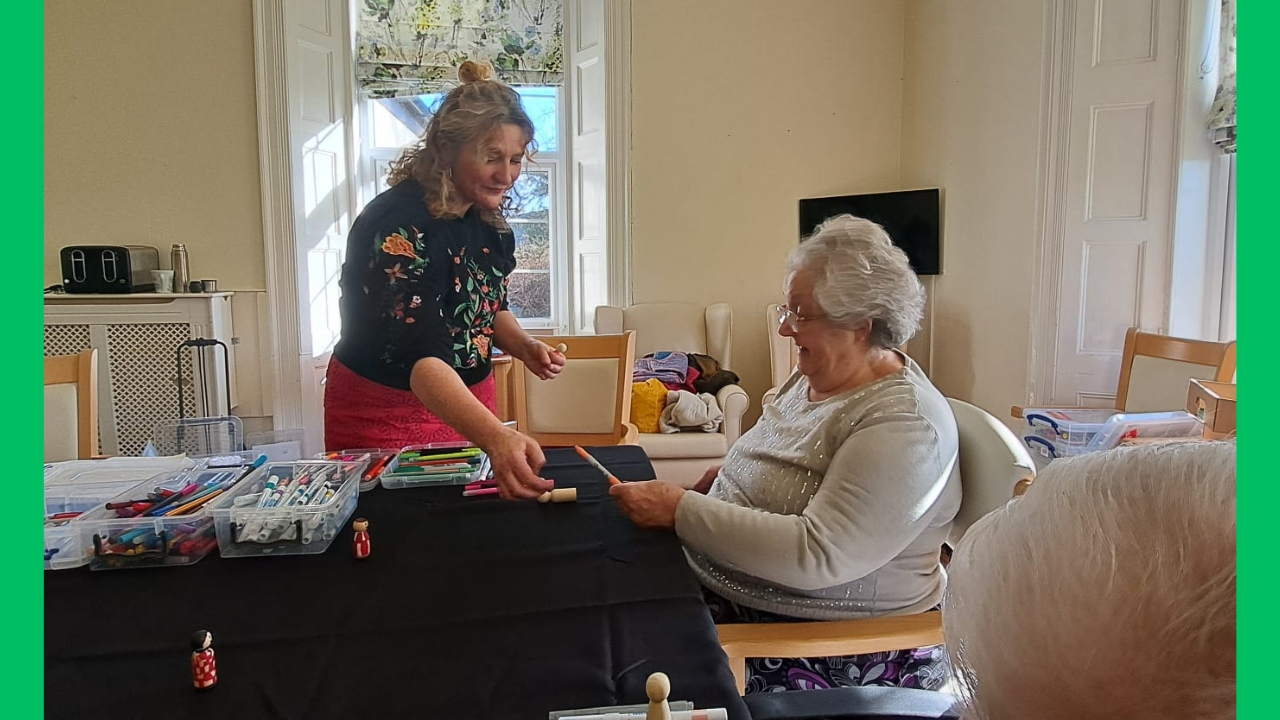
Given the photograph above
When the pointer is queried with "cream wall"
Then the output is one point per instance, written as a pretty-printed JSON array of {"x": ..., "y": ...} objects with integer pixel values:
[
  {"x": 739, "y": 109},
  {"x": 151, "y": 133},
  {"x": 971, "y": 124}
]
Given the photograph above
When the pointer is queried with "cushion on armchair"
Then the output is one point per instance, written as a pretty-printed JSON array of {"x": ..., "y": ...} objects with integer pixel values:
[{"x": 647, "y": 401}]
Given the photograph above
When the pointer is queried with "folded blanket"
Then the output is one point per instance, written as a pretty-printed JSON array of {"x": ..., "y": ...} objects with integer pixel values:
[
  {"x": 685, "y": 410},
  {"x": 665, "y": 366}
]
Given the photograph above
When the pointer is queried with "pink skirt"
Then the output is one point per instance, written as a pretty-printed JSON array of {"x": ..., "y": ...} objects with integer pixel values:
[{"x": 360, "y": 413}]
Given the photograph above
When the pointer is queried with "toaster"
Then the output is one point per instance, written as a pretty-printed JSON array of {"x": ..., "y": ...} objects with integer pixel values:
[{"x": 109, "y": 268}]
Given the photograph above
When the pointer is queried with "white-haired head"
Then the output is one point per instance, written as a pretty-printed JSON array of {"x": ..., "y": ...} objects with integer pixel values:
[
  {"x": 1107, "y": 591},
  {"x": 860, "y": 276}
]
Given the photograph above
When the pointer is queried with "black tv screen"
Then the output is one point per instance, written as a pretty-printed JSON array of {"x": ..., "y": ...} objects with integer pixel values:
[{"x": 911, "y": 217}]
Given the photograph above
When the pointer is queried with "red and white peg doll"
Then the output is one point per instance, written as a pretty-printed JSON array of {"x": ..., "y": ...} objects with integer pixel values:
[
  {"x": 361, "y": 545},
  {"x": 204, "y": 666}
]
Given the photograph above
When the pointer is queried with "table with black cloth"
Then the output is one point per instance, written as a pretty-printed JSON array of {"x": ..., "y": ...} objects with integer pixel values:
[{"x": 467, "y": 608}]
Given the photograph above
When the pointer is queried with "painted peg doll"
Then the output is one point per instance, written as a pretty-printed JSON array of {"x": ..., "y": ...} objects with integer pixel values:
[
  {"x": 204, "y": 666},
  {"x": 361, "y": 527}
]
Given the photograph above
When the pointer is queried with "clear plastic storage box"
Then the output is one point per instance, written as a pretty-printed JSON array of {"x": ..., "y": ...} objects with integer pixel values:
[
  {"x": 380, "y": 460},
  {"x": 1139, "y": 427},
  {"x": 292, "y": 508},
  {"x": 436, "y": 464},
  {"x": 114, "y": 468},
  {"x": 65, "y": 504},
  {"x": 149, "y": 532},
  {"x": 1057, "y": 434},
  {"x": 1062, "y": 433},
  {"x": 199, "y": 436}
]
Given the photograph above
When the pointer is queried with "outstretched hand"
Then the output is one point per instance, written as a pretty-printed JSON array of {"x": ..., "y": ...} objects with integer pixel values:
[
  {"x": 516, "y": 460},
  {"x": 543, "y": 360}
]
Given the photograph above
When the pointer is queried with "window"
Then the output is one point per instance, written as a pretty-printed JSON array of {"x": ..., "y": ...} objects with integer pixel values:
[
  {"x": 536, "y": 214},
  {"x": 1227, "y": 318}
]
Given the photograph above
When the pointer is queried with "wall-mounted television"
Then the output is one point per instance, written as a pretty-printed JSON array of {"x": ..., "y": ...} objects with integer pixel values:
[{"x": 911, "y": 217}]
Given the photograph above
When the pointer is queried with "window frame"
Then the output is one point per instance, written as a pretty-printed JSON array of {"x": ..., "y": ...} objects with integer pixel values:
[{"x": 374, "y": 160}]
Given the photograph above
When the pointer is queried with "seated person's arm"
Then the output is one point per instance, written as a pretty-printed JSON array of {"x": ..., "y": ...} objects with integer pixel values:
[{"x": 877, "y": 496}]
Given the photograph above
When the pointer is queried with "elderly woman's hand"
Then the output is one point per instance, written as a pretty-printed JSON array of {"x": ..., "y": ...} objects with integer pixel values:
[
  {"x": 708, "y": 479},
  {"x": 649, "y": 504}
]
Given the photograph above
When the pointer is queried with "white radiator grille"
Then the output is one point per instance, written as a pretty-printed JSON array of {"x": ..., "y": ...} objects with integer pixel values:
[
  {"x": 65, "y": 339},
  {"x": 144, "y": 383}
]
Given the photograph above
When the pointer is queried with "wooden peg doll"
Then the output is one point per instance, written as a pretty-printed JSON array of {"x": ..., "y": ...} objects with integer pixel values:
[
  {"x": 361, "y": 546},
  {"x": 204, "y": 666},
  {"x": 658, "y": 687}
]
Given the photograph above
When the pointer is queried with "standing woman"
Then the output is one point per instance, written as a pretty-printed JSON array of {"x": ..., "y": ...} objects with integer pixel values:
[{"x": 424, "y": 292}]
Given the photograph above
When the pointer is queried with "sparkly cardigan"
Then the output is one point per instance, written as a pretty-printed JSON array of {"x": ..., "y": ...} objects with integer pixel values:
[{"x": 834, "y": 509}]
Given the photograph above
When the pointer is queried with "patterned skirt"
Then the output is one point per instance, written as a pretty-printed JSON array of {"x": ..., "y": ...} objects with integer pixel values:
[
  {"x": 921, "y": 668},
  {"x": 360, "y": 413}
]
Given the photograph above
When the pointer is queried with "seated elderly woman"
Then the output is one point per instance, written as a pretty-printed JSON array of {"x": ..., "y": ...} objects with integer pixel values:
[
  {"x": 836, "y": 504},
  {"x": 1107, "y": 591}
]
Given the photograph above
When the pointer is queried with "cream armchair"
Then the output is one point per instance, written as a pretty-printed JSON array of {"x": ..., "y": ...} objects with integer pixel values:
[
  {"x": 683, "y": 457},
  {"x": 782, "y": 352}
]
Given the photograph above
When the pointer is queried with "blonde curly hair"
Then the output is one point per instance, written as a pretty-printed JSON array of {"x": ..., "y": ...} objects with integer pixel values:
[{"x": 472, "y": 111}]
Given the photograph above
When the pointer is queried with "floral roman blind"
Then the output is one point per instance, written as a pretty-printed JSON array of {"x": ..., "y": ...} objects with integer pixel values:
[
  {"x": 413, "y": 47},
  {"x": 1222, "y": 118}
]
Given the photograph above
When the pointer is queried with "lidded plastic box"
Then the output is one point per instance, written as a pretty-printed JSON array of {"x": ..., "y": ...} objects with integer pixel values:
[
  {"x": 1145, "y": 426},
  {"x": 1062, "y": 433},
  {"x": 1057, "y": 434},
  {"x": 64, "y": 504},
  {"x": 199, "y": 436},
  {"x": 114, "y": 468},
  {"x": 436, "y": 464},
  {"x": 380, "y": 460},
  {"x": 294, "y": 508},
  {"x": 147, "y": 531},
  {"x": 283, "y": 445}
]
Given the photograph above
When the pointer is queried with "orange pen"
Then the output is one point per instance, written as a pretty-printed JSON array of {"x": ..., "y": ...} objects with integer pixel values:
[{"x": 596, "y": 464}]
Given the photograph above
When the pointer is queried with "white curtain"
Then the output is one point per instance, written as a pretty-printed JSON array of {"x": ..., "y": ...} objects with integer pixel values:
[
  {"x": 1222, "y": 118},
  {"x": 414, "y": 47}
]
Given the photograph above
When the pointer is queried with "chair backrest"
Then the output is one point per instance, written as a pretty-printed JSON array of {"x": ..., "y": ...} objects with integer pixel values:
[
  {"x": 782, "y": 350},
  {"x": 589, "y": 402},
  {"x": 71, "y": 406},
  {"x": 992, "y": 462},
  {"x": 1155, "y": 369},
  {"x": 683, "y": 327}
]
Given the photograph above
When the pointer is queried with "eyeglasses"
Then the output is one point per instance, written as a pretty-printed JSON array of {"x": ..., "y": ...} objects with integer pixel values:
[{"x": 793, "y": 319}]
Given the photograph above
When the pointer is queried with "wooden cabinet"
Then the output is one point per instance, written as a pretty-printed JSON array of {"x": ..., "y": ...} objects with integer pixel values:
[{"x": 502, "y": 370}]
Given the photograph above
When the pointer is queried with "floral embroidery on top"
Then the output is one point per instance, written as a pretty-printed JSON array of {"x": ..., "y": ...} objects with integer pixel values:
[
  {"x": 397, "y": 244},
  {"x": 480, "y": 302}
]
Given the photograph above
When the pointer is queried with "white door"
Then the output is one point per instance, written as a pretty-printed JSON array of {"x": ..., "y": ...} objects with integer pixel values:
[
  {"x": 587, "y": 85},
  {"x": 320, "y": 135},
  {"x": 1119, "y": 168}
]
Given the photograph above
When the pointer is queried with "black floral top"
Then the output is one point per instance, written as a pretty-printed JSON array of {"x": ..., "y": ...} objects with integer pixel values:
[{"x": 415, "y": 286}]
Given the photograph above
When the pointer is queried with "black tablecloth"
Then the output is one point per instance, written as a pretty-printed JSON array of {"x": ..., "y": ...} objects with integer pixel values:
[{"x": 466, "y": 608}]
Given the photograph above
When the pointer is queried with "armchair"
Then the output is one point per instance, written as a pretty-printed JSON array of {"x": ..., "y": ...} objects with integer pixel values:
[
  {"x": 782, "y": 352},
  {"x": 685, "y": 327}
]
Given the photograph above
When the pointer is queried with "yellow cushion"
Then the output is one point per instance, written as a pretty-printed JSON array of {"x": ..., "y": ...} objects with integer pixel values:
[{"x": 647, "y": 401}]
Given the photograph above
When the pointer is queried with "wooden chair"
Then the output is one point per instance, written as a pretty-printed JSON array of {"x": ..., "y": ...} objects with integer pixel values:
[
  {"x": 589, "y": 403},
  {"x": 683, "y": 457},
  {"x": 1155, "y": 371},
  {"x": 994, "y": 467},
  {"x": 71, "y": 406}
]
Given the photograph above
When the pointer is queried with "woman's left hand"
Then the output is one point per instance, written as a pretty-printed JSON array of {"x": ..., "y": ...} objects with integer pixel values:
[
  {"x": 543, "y": 361},
  {"x": 649, "y": 504}
]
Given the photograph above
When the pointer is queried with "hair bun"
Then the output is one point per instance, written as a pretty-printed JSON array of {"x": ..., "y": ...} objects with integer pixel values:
[{"x": 470, "y": 72}]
